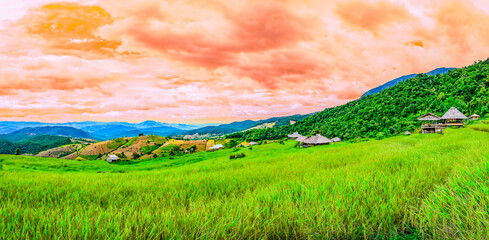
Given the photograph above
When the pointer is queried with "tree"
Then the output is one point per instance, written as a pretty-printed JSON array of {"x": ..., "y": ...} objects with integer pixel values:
[
  {"x": 135, "y": 155},
  {"x": 17, "y": 151},
  {"x": 192, "y": 149}
]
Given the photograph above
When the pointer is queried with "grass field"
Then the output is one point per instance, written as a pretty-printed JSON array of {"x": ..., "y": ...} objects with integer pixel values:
[{"x": 422, "y": 186}]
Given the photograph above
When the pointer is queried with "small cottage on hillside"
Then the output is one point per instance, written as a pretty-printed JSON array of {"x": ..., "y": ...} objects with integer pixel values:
[
  {"x": 336, "y": 139},
  {"x": 316, "y": 140},
  {"x": 253, "y": 143},
  {"x": 474, "y": 117},
  {"x": 112, "y": 158},
  {"x": 453, "y": 117},
  {"x": 216, "y": 147},
  {"x": 294, "y": 136},
  {"x": 301, "y": 139},
  {"x": 430, "y": 123}
]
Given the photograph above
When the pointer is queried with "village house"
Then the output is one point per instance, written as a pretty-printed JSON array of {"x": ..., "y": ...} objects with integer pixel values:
[
  {"x": 453, "y": 117},
  {"x": 336, "y": 139},
  {"x": 430, "y": 123},
  {"x": 112, "y": 158},
  {"x": 294, "y": 136},
  {"x": 317, "y": 140},
  {"x": 474, "y": 117}
]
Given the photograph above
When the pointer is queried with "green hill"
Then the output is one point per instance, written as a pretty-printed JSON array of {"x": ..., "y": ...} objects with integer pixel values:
[
  {"x": 397, "y": 188},
  {"x": 33, "y": 145},
  {"x": 396, "y": 109}
]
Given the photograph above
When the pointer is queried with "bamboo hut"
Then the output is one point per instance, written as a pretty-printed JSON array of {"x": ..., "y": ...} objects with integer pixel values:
[
  {"x": 316, "y": 140},
  {"x": 336, "y": 139},
  {"x": 474, "y": 117},
  {"x": 294, "y": 136},
  {"x": 430, "y": 123},
  {"x": 301, "y": 139},
  {"x": 112, "y": 158},
  {"x": 453, "y": 117}
]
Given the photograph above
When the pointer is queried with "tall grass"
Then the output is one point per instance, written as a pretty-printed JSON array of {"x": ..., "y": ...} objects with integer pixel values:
[{"x": 400, "y": 187}]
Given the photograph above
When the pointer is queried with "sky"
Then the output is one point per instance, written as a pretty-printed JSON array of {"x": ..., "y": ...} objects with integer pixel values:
[{"x": 218, "y": 61}]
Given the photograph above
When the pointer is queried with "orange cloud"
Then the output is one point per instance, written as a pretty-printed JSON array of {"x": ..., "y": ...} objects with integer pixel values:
[
  {"x": 371, "y": 16},
  {"x": 70, "y": 27}
]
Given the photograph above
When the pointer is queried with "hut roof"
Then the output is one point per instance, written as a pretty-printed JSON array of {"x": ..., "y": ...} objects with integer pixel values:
[
  {"x": 294, "y": 135},
  {"x": 217, "y": 146},
  {"x": 429, "y": 117},
  {"x": 253, "y": 143},
  {"x": 317, "y": 139},
  {"x": 453, "y": 113},
  {"x": 301, "y": 139},
  {"x": 474, "y": 115},
  {"x": 407, "y": 133},
  {"x": 112, "y": 157},
  {"x": 336, "y": 139}
]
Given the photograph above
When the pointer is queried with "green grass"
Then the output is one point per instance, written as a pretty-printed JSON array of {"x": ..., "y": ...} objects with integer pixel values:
[
  {"x": 148, "y": 149},
  {"x": 422, "y": 186},
  {"x": 130, "y": 142}
]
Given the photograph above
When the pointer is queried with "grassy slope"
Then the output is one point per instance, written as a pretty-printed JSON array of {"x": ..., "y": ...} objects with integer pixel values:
[{"x": 422, "y": 185}]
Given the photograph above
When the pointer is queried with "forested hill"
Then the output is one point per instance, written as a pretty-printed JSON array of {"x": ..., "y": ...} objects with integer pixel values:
[
  {"x": 403, "y": 78},
  {"x": 396, "y": 109}
]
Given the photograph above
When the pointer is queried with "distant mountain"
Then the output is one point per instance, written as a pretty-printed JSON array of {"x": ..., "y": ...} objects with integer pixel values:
[
  {"x": 117, "y": 131},
  {"x": 245, "y": 125},
  {"x": 404, "y": 78},
  {"x": 107, "y": 130},
  {"x": 27, "y": 132}
]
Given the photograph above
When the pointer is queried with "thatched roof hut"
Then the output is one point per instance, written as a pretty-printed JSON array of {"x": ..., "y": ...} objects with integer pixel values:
[
  {"x": 453, "y": 114},
  {"x": 336, "y": 139},
  {"x": 301, "y": 139},
  {"x": 112, "y": 158},
  {"x": 429, "y": 117},
  {"x": 294, "y": 135},
  {"x": 253, "y": 143},
  {"x": 474, "y": 117},
  {"x": 317, "y": 139},
  {"x": 407, "y": 133},
  {"x": 217, "y": 147}
]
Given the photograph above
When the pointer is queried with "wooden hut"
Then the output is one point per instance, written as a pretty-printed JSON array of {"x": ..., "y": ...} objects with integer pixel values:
[
  {"x": 294, "y": 136},
  {"x": 430, "y": 123},
  {"x": 336, "y": 139},
  {"x": 112, "y": 158},
  {"x": 316, "y": 140},
  {"x": 453, "y": 117},
  {"x": 474, "y": 117},
  {"x": 301, "y": 139}
]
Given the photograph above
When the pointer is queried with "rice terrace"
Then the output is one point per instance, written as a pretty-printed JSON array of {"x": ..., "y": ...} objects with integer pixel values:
[{"x": 342, "y": 119}]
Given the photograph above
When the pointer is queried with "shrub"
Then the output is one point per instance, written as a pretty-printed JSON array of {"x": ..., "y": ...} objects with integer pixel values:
[
  {"x": 135, "y": 155},
  {"x": 17, "y": 151}
]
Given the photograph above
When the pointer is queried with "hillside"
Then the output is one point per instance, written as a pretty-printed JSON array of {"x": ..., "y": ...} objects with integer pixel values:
[
  {"x": 244, "y": 125},
  {"x": 53, "y": 131},
  {"x": 396, "y": 188},
  {"x": 396, "y": 109},
  {"x": 404, "y": 78},
  {"x": 33, "y": 145}
]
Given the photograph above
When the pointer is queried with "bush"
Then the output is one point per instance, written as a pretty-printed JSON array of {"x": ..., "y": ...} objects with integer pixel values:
[
  {"x": 135, "y": 155},
  {"x": 237, "y": 155},
  {"x": 17, "y": 151}
]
